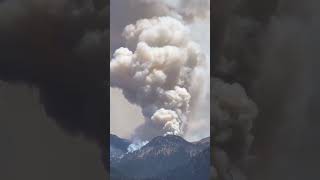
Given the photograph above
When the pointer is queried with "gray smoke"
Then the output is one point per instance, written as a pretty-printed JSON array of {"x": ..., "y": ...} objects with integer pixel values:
[
  {"x": 270, "y": 48},
  {"x": 158, "y": 74},
  {"x": 162, "y": 68}
]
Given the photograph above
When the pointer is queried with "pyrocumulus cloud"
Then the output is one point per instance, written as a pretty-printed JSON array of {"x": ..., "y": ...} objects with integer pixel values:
[{"x": 157, "y": 74}]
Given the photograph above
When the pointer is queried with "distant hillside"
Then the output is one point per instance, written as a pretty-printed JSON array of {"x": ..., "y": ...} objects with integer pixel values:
[{"x": 164, "y": 157}]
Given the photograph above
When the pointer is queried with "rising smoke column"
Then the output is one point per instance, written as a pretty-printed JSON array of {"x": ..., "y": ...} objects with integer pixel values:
[
  {"x": 195, "y": 15},
  {"x": 157, "y": 75}
]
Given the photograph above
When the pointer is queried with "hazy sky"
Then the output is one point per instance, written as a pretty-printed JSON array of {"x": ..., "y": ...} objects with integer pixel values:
[{"x": 125, "y": 117}]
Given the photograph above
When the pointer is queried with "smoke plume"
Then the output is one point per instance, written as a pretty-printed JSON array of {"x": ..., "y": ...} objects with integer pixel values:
[
  {"x": 158, "y": 75},
  {"x": 162, "y": 67},
  {"x": 136, "y": 146}
]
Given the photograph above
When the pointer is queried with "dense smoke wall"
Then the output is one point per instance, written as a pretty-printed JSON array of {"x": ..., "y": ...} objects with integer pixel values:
[
  {"x": 270, "y": 49},
  {"x": 60, "y": 48}
]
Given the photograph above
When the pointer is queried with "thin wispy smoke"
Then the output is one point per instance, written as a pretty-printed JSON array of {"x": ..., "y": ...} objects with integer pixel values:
[{"x": 136, "y": 146}]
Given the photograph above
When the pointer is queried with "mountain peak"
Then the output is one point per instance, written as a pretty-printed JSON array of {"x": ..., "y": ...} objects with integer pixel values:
[{"x": 167, "y": 140}]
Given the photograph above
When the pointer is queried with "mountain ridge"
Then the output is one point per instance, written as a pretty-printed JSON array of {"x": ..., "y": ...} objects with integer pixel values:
[{"x": 164, "y": 156}]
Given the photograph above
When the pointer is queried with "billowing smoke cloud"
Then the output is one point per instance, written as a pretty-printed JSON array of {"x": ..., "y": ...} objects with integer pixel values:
[
  {"x": 198, "y": 31},
  {"x": 269, "y": 47},
  {"x": 60, "y": 47},
  {"x": 158, "y": 75}
]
